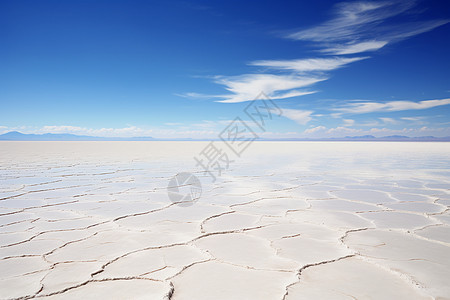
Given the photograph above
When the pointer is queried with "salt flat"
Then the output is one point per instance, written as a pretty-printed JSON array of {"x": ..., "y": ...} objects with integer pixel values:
[{"x": 285, "y": 220}]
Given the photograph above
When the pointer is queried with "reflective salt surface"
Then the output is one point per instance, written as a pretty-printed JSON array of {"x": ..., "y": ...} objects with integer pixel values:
[{"x": 287, "y": 220}]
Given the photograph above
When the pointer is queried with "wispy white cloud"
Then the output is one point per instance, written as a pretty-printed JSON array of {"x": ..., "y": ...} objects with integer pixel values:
[
  {"x": 307, "y": 65},
  {"x": 426, "y": 129},
  {"x": 348, "y": 122},
  {"x": 351, "y": 20},
  {"x": 399, "y": 32},
  {"x": 358, "y": 27},
  {"x": 279, "y": 86},
  {"x": 411, "y": 118},
  {"x": 303, "y": 73},
  {"x": 197, "y": 95},
  {"x": 342, "y": 129},
  {"x": 369, "y": 123},
  {"x": 389, "y": 121},
  {"x": 4, "y": 129},
  {"x": 314, "y": 129},
  {"x": 368, "y": 107},
  {"x": 352, "y": 48},
  {"x": 301, "y": 117},
  {"x": 247, "y": 87},
  {"x": 355, "y": 27},
  {"x": 415, "y": 120}
]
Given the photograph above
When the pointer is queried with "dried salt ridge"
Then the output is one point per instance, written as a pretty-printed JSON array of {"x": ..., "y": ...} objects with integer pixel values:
[{"x": 292, "y": 220}]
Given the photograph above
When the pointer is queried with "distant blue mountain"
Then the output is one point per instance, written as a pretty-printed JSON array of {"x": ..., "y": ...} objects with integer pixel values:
[
  {"x": 363, "y": 137},
  {"x": 18, "y": 136},
  {"x": 392, "y": 138}
]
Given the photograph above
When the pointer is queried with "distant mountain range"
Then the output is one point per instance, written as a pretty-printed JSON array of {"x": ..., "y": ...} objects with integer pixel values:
[
  {"x": 393, "y": 138},
  {"x": 18, "y": 136}
]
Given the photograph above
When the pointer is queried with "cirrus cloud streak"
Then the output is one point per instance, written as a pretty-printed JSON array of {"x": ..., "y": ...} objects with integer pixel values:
[{"x": 369, "y": 107}]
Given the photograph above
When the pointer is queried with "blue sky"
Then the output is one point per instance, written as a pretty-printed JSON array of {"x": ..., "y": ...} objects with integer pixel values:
[{"x": 171, "y": 69}]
